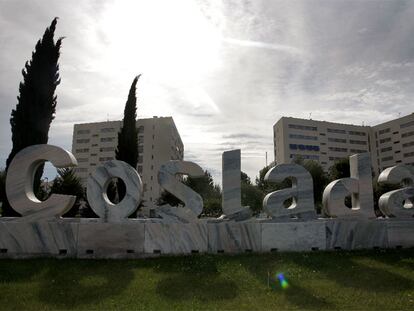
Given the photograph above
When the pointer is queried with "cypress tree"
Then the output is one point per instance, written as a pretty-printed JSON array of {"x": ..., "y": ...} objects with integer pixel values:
[
  {"x": 36, "y": 105},
  {"x": 127, "y": 149}
]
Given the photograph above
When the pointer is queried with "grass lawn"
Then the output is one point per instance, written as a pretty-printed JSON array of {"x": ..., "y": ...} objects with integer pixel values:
[{"x": 366, "y": 280}]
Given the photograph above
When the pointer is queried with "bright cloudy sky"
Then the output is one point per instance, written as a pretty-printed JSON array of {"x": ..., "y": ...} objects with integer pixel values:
[{"x": 226, "y": 70}]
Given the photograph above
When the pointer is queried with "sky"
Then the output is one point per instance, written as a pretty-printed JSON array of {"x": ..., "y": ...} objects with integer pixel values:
[{"x": 226, "y": 71}]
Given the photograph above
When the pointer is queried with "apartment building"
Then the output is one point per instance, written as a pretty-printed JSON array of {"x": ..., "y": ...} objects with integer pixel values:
[
  {"x": 389, "y": 143},
  {"x": 158, "y": 142},
  {"x": 393, "y": 143}
]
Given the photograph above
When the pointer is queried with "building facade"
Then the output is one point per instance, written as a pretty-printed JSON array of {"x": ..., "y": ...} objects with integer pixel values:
[
  {"x": 393, "y": 143},
  {"x": 158, "y": 142},
  {"x": 389, "y": 143}
]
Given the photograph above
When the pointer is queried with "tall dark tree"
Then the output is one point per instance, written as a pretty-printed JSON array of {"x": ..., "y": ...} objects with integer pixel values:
[
  {"x": 127, "y": 149},
  {"x": 30, "y": 120}
]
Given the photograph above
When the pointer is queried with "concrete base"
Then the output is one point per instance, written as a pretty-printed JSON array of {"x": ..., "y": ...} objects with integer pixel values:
[
  {"x": 144, "y": 238},
  {"x": 293, "y": 236},
  {"x": 356, "y": 234}
]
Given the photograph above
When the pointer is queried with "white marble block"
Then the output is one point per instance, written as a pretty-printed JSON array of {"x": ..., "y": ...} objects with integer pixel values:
[
  {"x": 234, "y": 237},
  {"x": 400, "y": 232},
  {"x": 398, "y": 203},
  {"x": 167, "y": 180},
  {"x": 20, "y": 179},
  {"x": 110, "y": 240},
  {"x": 359, "y": 186},
  {"x": 97, "y": 191},
  {"x": 293, "y": 236},
  {"x": 172, "y": 238},
  {"x": 231, "y": 170},
  {"x": 301, "y": 193},
  {"x": 46, "y": 238},
  {"x": 231, "y": 198},
  {"x": 356, "y": 234}
]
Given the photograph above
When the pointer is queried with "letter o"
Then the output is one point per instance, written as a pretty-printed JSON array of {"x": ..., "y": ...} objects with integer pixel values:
[{"x": 97, "y": 191}]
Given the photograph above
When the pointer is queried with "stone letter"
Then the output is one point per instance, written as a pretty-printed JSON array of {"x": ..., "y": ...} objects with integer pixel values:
[
  {"x": 98, "y": 183},
  {"x": 168, "y": 181},
  {"x": 231, "y": 173},
  {"x": 301, "y": 192},
  {"x": 359, "y": 185},
  {"x": 20, "y": 178},
  {"x": 398, "y": 203}
]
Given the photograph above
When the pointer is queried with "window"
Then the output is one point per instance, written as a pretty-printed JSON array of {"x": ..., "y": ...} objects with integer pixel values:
[
  {"x": 396, "y": 142},
  {"x": 407, "y": 134},
  {"x": 83, "y": 132},
  {"x": 336, "y": 131},
  {"x": 384, "y": 140},
  {"x": 81, "y": 169},
  {"x": 386, "y": 149},
  {"x": 104, "y": 149},
  {"x": 140, "y": 169},
  {"x": 357, "y": 133},
  {"x": 93, "y": 154},
  {"x": 108, "y": 130},
  {"x": 298, "y": 136},
  {"x": 387, "y": 130},
  {"x": 304, "y": 147},
  {"x": 140, "y": 139},
  {"x": 322, "y": 134},
  {"x": 106, "y": 158},
  {"x": 337, "y": 140},
  {"x": 303, "y": 127},
  {"x": 357, "y": 150},
  {"x": 140, "y": 159},
  {"x": 409, "y": 154},
  {"x": 338, "y": 149},
  {"x": 305, "y": 156},
  {"x": 82, "y": 150},
  {"x": 404, "y": 125},
  {"x": 408, "y": 144},
  {"x": 107, "y": 139},
  {"x": 389, "y": 158},
  {"x": 140, "y": 149},
  {"x": 357, "y": 142},
  {"x": 83, "y": 140},
  {"x": 82, "y": 160},
  {"x": 336, "y": 158},
  {"x": 141, "y": 129}
]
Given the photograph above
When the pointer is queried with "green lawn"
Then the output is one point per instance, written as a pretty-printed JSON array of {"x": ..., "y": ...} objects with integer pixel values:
[{"x": 374, "y": 280}]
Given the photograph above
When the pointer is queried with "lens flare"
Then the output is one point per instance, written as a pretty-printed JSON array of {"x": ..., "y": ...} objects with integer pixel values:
[{"x": 282, "y": 281}]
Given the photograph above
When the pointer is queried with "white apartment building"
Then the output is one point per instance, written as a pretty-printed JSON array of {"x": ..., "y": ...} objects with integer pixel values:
[
  {"x": 389, "y": 143},
  {"x": 393, "y": 142},
  {"x": 158, "y": 142}
]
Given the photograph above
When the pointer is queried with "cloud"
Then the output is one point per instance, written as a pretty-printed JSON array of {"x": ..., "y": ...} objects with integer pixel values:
[{"x": 263, "y": 45}]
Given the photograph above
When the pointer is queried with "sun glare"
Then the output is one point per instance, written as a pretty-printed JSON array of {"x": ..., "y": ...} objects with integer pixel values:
[{"x": 170, "y": 40}]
